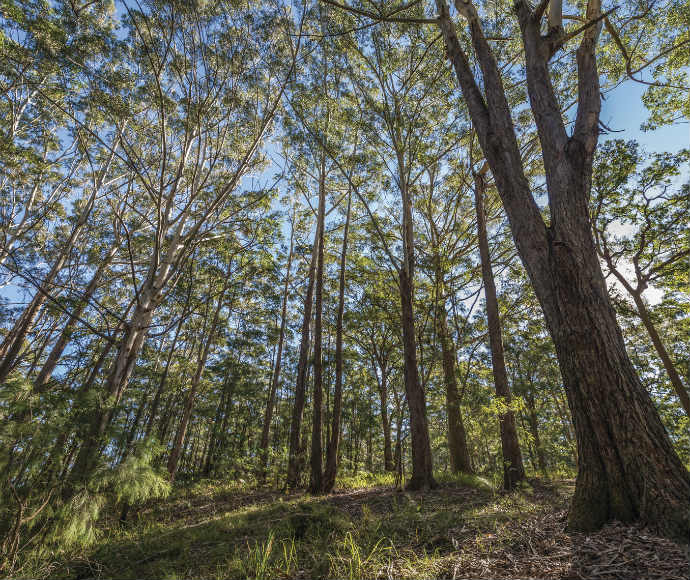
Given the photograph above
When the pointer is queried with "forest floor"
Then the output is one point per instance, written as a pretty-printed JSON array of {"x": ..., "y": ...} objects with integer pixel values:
[{"x": 461, "y": 530}]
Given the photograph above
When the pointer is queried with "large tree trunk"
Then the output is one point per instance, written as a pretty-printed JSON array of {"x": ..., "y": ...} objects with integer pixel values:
[
  {"x": 316, "y": 459},
  {"x": 513, "y": 470},
  {"x": 457, "y": 438},
  {"x": 334, "y": 441},
  {"x": 275, "y": 379},
  {"x": 627, "y": 468},
  {"x": 294, "y": 453}
]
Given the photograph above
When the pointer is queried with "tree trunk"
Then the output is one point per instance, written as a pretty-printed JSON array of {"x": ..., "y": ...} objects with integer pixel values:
[
  {"x": 534, "y": 430},
  {"x": 196, "y": 380},
  {"x": 673, "y": 375},
  {"x": 388, "y": 463},
  {"x": 300, "y": 385},
  {"x": 334, "y": 441},
  {"x": 270, "y": 402},
  {"x": 457, "y": 439},
  {"x": 513, "y": 470},
  {"x": 12, "y": 344},
  {"x": 422, "y": 468},
  {"x": 41, "y": 382},
  {"x": 316, "y": 459},
  {"x": 627, "y": 467}
]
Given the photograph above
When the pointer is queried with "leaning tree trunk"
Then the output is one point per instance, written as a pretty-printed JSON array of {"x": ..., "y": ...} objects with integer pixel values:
[
  {"x": 673, "y": 374},
  {"x": 294, "y": 453},
  {"x": 43, "y": 378},
  {"x": 334, "y": 441},
  {"x": 627, "y": 467},
  {"x": 513, "y": 469},
  {"x": 12, "y": 344}
]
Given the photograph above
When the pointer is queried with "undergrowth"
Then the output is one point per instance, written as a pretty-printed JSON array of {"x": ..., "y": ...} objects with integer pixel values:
[{"x": 223, "y": 530}]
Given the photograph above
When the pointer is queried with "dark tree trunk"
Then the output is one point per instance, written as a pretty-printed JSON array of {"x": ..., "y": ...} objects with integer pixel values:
[
  {"x": 513, "y": 470},
  {"x": 534, "y": 430},
  {"x": 627, "y": 467},
  {"x": 457, "y": 438},
  {"x": 422, "y": 469},
  {"x": 294, "y": 453},
  {"x": 334, "y": 441},
  {"x": 316, "y": 459}
]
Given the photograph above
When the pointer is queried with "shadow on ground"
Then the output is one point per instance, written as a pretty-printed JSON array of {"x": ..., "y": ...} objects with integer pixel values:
[{"x": 451, "y": 532}]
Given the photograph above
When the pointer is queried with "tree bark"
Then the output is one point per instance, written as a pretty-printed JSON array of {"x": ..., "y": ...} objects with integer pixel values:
[
  {"x": 334, "y": 441},
  {"x": 422, "y": 467},
  {"x": 627, "y": 467},
  {"x": 513, "y": 469},
  {"x": 457, "y": 438},
  {"x": 294, "y": 453},
  {"x": 316, "y": 459}
]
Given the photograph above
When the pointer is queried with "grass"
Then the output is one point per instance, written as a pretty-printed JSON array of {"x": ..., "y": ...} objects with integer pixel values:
[{"x": 367, "y": 530}]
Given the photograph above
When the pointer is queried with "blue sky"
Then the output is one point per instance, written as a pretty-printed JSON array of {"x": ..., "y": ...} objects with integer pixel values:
[{"x": 623, "y": 110}]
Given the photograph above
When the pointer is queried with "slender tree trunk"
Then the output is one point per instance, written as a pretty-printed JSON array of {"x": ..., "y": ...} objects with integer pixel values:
[
  {"x": 513, "y": 470},
  {"x": 534, "y": 430},
  {"x": 12, "y": 344},
  {"x": 196, "y": 380},
  {"x": 334, "y": 441},
  {"x": 388, "y": 463},
  {"x": 316, "y": 459},
  {"x": 422, "y": 468},
  {"x": 275, "y": 380},
  {"x": 294, "y": 454},
  {"x": 660, "y": 348},
  {"x": 41, "y": 382}
]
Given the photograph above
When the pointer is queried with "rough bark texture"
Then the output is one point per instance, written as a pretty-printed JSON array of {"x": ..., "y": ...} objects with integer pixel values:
[
  {"x": 422, "y": 469},
  {"x": 457, "y": 438},
  {"x": 513, "y": 469},
  {"x": 627, "y": 468},
  {"x": 334, "y": 442}
]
